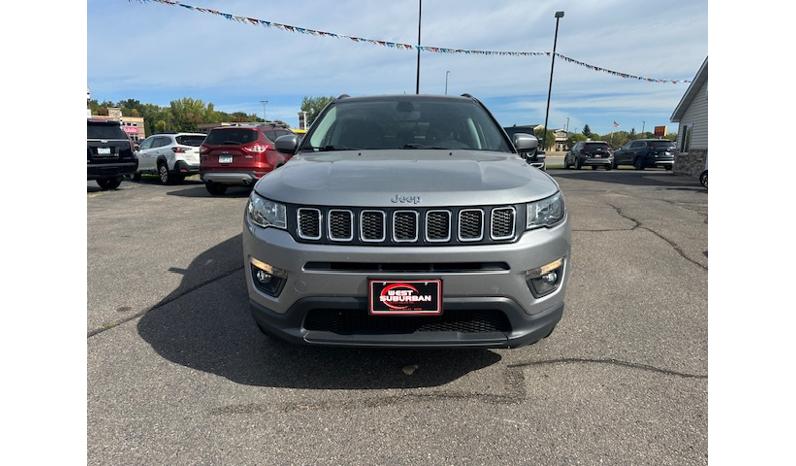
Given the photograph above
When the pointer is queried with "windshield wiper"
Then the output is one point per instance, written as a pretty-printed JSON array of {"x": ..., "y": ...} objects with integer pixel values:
[
  {"x": 329, "y": 148},
  {"x": 421, "y": 146}
]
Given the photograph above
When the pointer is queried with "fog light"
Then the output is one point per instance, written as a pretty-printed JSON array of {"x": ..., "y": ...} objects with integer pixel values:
[
  {"x": 545, "y": 279},
  {"x": 267, "y": 278}
]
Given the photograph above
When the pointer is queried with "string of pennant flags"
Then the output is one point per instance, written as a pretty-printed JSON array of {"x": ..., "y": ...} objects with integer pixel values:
[{"x": 398, "y": 45}]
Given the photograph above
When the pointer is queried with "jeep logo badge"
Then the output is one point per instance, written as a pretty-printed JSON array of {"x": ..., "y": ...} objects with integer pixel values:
[{"x": 404, "y": 199}]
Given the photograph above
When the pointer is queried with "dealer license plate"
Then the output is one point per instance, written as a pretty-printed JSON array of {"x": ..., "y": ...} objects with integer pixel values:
[
  {"x": 405, "y": 297},
  {"x": 103, "y": 151},
  {"x": 224, "y": 159}
]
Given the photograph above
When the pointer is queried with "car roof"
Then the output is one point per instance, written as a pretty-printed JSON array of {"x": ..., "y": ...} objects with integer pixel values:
[
  {"x": 403, "y": 97},
  {"x": 103, "y": 122}
]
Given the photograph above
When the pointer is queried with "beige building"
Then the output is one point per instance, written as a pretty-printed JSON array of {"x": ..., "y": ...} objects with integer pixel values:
[{"x": 133, "y": 126}]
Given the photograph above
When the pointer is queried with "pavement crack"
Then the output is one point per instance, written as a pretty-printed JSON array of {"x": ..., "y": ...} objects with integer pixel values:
[
  {"x": 609, "y": 361},
  {"x": 162, "y": 303},
  {"x": 671, "y": 243}
]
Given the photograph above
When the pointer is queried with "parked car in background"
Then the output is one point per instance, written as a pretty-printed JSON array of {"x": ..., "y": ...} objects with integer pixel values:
[
  {"x": 644, "y": 153},
  {"x": 590, "y": 154},
  {"x": 171, "y": 156},
  {"x": 109, "y": 152},
  {"x": 535, "y": 157},
  {"x": 239, "y": 155}
]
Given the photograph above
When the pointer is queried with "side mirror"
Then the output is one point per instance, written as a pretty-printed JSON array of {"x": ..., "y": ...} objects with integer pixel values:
[
  {"x": 286, "y": 144},
  {"x": 525, "y": 142}
]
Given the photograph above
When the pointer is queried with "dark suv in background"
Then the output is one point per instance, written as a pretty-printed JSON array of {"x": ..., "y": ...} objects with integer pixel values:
[
  {"x": 109, "y": 152},
  {"x": 534, "y": 157},
  {"x": 645, "y": 153},
  {"x": 591, "y": 154},
  {"x": 239, "y": 155}
]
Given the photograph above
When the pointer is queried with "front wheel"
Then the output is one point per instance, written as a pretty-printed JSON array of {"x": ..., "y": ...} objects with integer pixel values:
[
  {"x": 578, "y": 164},
  {"x": 109, "y": 183},
  {"x": 639, "y": 164},
  {"x": 215, "y": 189},
  {"x": 703, "y": 179}
]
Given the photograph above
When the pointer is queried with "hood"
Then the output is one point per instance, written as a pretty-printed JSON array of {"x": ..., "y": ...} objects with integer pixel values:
[{"x": 390, "y": 178}]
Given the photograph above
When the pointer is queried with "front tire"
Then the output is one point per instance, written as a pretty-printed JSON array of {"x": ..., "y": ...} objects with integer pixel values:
[
  {"x": 703, "y": 179},
  {"x": 639, "y": 164},
  {"x": 578, "y": 164},
  {"x": 215, "y": 189},
  {"x": 109, "y": 183}
]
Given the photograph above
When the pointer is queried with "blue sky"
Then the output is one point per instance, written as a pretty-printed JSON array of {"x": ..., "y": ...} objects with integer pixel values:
[{"x": 158, "y": 53}]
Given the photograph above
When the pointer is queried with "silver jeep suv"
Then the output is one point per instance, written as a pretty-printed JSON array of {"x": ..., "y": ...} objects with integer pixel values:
[{"x": 406, "y": 221}]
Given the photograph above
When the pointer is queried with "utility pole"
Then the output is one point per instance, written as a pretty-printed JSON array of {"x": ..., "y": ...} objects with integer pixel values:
[
  {"x": 559, "y": 15},
  {"x": 419, "y": 17},
  {"x": 264, "y": 102},
  {"x": 446, "y": 81},
  {"x": 643, "y": 125}
]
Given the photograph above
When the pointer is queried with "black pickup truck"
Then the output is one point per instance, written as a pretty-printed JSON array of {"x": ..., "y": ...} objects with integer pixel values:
[
  {"x": 109, "y": 152},
  {"x": 534, "y": 157}
]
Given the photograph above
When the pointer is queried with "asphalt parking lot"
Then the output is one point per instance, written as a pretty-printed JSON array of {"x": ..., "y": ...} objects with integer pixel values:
[{"x": 178, "y": 373}]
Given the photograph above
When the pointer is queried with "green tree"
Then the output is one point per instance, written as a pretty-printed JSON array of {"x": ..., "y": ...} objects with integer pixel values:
[
  {"x": 313, "y": 106},
  {"x": 671, "y": 136},
  {"x": 575, "y": 138},
  {"x": 587, "y": 131}
]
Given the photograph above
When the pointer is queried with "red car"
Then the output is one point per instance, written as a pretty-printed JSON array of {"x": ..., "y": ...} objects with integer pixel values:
[{"x": 239, "y": 155}]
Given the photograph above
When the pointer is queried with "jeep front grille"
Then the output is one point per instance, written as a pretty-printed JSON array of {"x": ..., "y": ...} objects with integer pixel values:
[
  {"x": 309, "y": 223},
  {"x": 471, "y": 225},
  {"x": 407, "y": 226},
  {"x": 438, "y": 225},
  {"x": 372, "y": 225},
  {"x": 503, "y": 220},
  {"x": 404, "y": 226},
  {"x": 341, "y": 225}
]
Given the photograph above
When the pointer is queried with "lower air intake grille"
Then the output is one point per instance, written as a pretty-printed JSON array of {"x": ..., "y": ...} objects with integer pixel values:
[{"x": 356, "y": 322}]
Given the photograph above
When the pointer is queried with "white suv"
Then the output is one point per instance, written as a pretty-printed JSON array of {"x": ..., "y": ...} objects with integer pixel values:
[{"x": 171, "y": 156}]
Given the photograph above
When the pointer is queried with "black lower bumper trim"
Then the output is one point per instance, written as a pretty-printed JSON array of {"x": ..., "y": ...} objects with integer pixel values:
[{"x": 521, "y": 328}]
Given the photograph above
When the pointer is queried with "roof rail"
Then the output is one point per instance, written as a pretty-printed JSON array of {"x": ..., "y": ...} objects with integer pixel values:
[
  {"x": 342, "y": 96},
  {"x": 468, "y": 96}
]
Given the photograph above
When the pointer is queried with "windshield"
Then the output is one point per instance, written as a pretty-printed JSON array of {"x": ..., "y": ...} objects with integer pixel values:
[{"x": 399, "y": 123}]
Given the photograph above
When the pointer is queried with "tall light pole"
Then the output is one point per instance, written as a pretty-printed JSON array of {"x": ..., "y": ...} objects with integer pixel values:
[
  {"x": 559, "y": 15},
  {"x": 643, "y": 126},
  {"x": 446, "y": 81},
  {"x": 264, "y": 102},
  {"x": 419, "y": 17}
]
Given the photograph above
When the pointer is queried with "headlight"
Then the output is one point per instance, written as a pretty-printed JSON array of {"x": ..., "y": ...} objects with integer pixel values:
[
  {"x": 265, "y": 213},
  {"x": 545, "y": 213}
]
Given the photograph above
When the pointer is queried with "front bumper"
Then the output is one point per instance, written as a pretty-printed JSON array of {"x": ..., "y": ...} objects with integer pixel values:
[{"x": 504, "y": 291}]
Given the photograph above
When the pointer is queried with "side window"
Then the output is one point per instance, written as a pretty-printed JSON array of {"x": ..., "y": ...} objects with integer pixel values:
[
  {"x": 627, "y": 145},
  {"x": 159, "y": 142},
  {"x": 637, "y": 145},
  {"x": 685, "y": 139},
  {"x": 146, "y": 144},
  {"x": 577, "y": 147}
]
